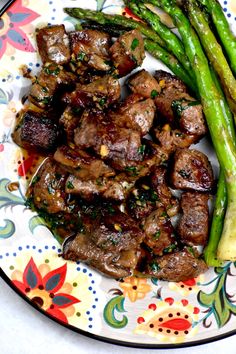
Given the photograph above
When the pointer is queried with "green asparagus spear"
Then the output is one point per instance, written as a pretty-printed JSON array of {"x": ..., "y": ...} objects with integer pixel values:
[
  {"x": 105, "y": 19},
  {"x": 223, "y": 29},
  {"x": 214, "y": 52},
  {"x": 172, "y": 43},
  {"x": 210, "y": 251},
  {"x": 217, "y": 122},
  {"x": 170, "y": 61}
]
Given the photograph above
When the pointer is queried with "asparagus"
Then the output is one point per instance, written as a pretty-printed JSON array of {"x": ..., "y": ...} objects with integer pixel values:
[
  {"x": 210, "y": 251},
  {"x": 170, "y": 61},
  {"x": 217, "y": 122},
  {"x": 105, "y": 19},
  {"x": 214, "y": 53},
  {"x": 223, "y": 29},
  {"x": 172, "y": 42}
]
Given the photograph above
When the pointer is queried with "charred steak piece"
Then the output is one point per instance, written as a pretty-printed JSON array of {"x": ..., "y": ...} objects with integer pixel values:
[
  {"x": 172, "y": 139},
  {"x": 53, "y": 44},
  {"x": 158, "y": 179},
  {"x": 128, "y": 52},
  {"x": 192, "y": 171},
  {"x": 177, "y": 106},
  {"x": 110, "y": 245},
  {"x": 34, "y": 131},
  {"x": 117, "y": 145},
  {"x": 99, "y": 93},
  {"x": 135, "y": 113},
  {"x": 82, "y": 164},
  {"x": 69, "y": 121},
  {"x": 159, "y": 232},
  {"x": 51, "y": 81},
  {"x": 48, "y": 188},
  {"x": 194, "y": 223},
  {"x": 177, "y": 266},
  {"x": 91, "y": 49},
  {"x": 144, "y": 84},
  {"x": 107, "y": 188}
]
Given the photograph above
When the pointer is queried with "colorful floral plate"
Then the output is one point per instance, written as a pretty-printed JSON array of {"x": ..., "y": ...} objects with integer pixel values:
[{"x": 134, "y": 312}]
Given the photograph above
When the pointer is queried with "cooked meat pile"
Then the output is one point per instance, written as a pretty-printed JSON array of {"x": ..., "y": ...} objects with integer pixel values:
[{"x": 105, "y": 186}]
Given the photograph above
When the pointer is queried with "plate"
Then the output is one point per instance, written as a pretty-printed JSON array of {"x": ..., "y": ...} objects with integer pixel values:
[{"x": 135, "y": 312}]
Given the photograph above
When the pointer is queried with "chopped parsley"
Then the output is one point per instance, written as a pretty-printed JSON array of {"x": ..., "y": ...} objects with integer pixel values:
[
  {"x": 69, "y": 185},
  {"x": 134, "y": 44},
  {"x": 157, "y": 235},
  {"x": 49, "y": 71},
  {"x": 170, "y": 248},
  {"x": 81, "y": 56},
  {"x": 154, "y": 93},
  {"x": 154, "y": 267},
  {"x": 141, "y": 149},
  {"x": 132, "y": 170}
]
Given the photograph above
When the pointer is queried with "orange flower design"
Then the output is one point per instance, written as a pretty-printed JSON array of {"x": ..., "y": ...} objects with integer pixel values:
[{"x": 135, "y": 288}]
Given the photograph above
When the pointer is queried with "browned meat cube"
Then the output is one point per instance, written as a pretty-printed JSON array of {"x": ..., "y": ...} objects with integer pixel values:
[
  {"x": 144, "y": 84},
  {"x": 159, "y": 184},
  {"x": 177, "y": 266},
  {"x": 81, "y": 164},
  {"x": 118, "y": 145},
  {"x": 192, "y": 171},
  {"x": 141, "y": 202},
  {"x": 99, "y": 93},
  {"x": 51, "y": 80},
  {"x": 170, "y": 140},
  {"x": 107, "y": 188},
  {"x": 111, "y": 245},
  {"x": 53, "y": 44},
  {"x": 159, "y": 232},
  {"x": 194, "y": 223},
  {"x": 36, "y": 132},
  {"x": 128, "y": 52},
  {"x": 91, "y": 48},
  {"x": 135, "y": 113},
  {"x": 48, "y": 188},
  {"x": 177, "y": 106},
  {"x": 69, "y": 120}
]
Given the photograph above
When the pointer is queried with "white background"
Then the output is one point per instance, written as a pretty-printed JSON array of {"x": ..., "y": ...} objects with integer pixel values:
[{"x": 23, "y": 330}]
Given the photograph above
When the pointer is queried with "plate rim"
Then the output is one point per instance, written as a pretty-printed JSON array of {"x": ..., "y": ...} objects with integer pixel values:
[{"x": 117, "y": 342}]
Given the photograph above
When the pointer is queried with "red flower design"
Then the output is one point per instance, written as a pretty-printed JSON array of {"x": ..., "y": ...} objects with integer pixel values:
[
  {"x": 10, "y": 31},
  {"x": 44, "y": 290}
]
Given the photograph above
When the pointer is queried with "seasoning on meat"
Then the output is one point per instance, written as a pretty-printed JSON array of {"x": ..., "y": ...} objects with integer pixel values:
[
  {"x": 192, "y": 171},
  {"x": 194, "y": 223},
  {"x": 144, "y": 84}
]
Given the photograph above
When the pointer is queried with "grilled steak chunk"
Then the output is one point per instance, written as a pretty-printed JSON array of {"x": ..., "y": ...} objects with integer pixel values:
[
  {"x": 177, "y": 266},
  {"x": 53, "y": 44},
  {"x": 91, "y": 49},
  {"x": 128, "y": 52},
  {"x": 36, "y": 132},
  {"x": 82, "y": 164},
  {"x": 170, "y": 140},
  {"x": 194, "y": 223},
  {"x": 144, "y": 84},
  {"x": 110, "y": 244},
  {"x": 141, "y": 201},
  {"x": 51, "y": 81},
  {"x": 69, "y": 121},
  {"x": 107, "y": 188},
  {"x": 192, "y": 171},
  {"x": 48, "y": 187},
  {"x": 177, "y": 106},
  {"x": 159, "y": 184},
  {"x": 99, "y": 93},
  {"x": 159, "y": 232},
  {"x": 135, "y": 113}
]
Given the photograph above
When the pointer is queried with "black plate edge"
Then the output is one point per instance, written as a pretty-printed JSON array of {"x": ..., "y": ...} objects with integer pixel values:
[{"x": 114, "y": 341}]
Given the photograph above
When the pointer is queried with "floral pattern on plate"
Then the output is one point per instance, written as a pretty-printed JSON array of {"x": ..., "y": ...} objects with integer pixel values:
[{"x": 136, "y": 311}]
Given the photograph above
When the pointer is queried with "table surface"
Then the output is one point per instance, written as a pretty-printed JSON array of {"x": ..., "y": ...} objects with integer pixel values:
[{"x": 24, "y": 331}]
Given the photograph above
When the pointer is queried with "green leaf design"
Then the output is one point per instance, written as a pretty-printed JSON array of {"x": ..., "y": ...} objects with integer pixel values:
[
  {"x": 218, "y": 301},
  {"x": 8, "y": 198},
  {"x": 115, "y": 304},
  {"x": 8, "y": 230},
  {"x": 100, "y": 4},
  {"x": 36, "y": 221}
]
